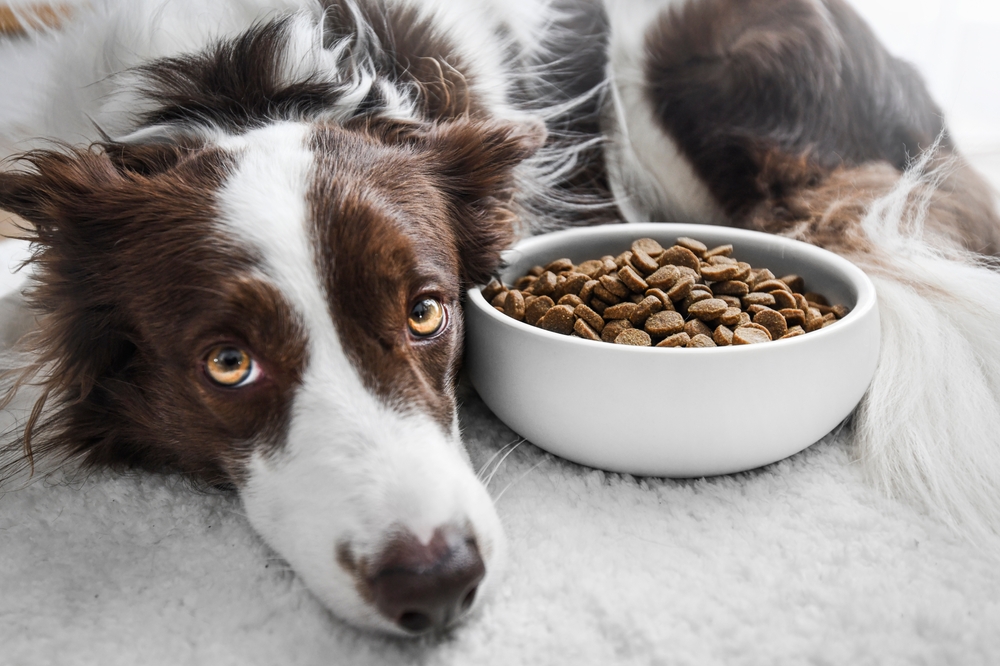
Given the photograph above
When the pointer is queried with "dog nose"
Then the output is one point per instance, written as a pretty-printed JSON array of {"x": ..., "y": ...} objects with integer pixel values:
[{"x": 427, "y": 586}]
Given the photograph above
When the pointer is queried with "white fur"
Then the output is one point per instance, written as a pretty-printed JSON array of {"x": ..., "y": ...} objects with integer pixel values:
[
  {"x": 929, "y": 427},
  {"x": 354, "y": 469}
]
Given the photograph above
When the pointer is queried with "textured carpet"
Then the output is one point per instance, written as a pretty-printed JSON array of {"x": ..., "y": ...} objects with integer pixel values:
[{"x": 797, "y": 563}]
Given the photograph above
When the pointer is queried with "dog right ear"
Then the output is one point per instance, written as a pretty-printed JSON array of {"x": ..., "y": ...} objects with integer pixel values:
[{"x": 55, "y": 185}]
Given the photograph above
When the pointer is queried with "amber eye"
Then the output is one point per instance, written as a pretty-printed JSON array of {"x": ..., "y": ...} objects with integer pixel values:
[
  {"x": 230, "y": 366},
  {"x": 426, "y": 317}
]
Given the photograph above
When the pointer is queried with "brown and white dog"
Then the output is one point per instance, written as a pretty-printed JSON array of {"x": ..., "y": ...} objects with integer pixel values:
[{"x": 252, "y": 242}]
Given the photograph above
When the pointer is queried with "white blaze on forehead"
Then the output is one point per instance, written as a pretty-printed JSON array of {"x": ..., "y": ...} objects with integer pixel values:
[{"x": 352, "y": 468}]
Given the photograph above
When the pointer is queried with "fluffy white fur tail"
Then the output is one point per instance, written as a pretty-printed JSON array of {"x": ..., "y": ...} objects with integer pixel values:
[{"x": 929, "y": 426}]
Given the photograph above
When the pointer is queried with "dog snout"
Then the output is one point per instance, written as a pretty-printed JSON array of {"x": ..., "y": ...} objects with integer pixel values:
[{"x": 422, "y": 587}]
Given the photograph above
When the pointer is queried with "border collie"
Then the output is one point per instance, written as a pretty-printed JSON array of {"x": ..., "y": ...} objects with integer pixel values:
[{"x": 252, "y": 238}]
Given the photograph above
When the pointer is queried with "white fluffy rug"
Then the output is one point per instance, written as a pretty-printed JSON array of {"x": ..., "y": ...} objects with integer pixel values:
[{"x": 797, "y": 563}]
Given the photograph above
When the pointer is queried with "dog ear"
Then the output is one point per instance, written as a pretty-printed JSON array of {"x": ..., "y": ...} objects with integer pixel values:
[
  {"x": 476, "y": 162},
  {"x": 55, "y": 182}
]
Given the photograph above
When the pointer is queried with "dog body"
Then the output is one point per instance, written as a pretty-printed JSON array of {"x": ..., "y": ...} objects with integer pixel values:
[{"x": 293, "y": 195}]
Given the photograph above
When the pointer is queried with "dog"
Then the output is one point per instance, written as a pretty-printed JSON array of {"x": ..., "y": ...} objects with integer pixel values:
[{"x": 252, "y": 240}]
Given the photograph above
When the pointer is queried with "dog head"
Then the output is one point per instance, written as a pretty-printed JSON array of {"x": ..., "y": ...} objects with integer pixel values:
[{"x": 280, "y": 311}]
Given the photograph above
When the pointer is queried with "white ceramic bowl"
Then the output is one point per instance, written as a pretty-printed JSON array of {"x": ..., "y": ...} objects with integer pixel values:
[{"x": 675, "y": 412}]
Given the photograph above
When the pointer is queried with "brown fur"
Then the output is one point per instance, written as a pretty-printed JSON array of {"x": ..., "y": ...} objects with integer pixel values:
[
  {"x": 798, "y": 119},
  {"x": 388, "y": 242},
  {"x": 132, "y": 290}
]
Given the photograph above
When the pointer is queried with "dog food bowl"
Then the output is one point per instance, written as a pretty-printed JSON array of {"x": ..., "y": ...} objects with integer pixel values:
[{"x": 677, "y": 412}]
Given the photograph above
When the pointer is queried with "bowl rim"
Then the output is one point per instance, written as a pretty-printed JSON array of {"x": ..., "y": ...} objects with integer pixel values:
[{"x": 867, "y": 300}]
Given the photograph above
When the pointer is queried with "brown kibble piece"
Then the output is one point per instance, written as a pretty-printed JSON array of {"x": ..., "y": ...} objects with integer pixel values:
[
  {"x": 663, "y": 278},
  {"x": 583, "y": 329},
  {"x": 694, "y": 297},
  {"x": 701, "y": 340},
  {"x": 537, "y": 309},
  {"x": 664, "y": 323},
  {"x": 594, "y": 320},
  {"x": 758, "y": 298},
  {"x": 696, "y": 246},
  {"x": 814, "y": 320},
  {"x": 620, "y": 311},
  {"x": 591, "y": 267},
  {"x": 681, "y": 289},
  {"x": 545, "y": 285},
  {"x": 535, "y": 271},
  {"x": 773, "y": 322},
  {"x": 560, "y": 265},
  {"x": 795, "y": 283},
  {"x": 633, "y": 337},
  {"x": 697, "y": 327},
  {"x": 574, "y": 283},
  {"x": 755, "y": 309},
  {"x": 731, "y": 288},
  {"x": 588, "y": 290},
  {"x": 793, "y": 332},
  {"x": 748, "y": 335},
  {"x": 771, "y": 285},
  {"x": 731, "y": 317},
  {"x": 745, "y": 320},
  {"x": 840, "y": 311},
  {"x": 731, "y": 301},
  {"x": 559, "y": 319},
  {"x": 644, "y": 310},
  {"x": 647, "y": 245},
  {"x": 598, "y": 306},
  {"x": 513, "y": 305},
  {"x": 613, "y": 328},
  {"x": 783, "y": 299},
  {"x": 623, "y": 259},
  {"x": 492, "y": 288},
  {"x": 613, "y": 283},
  {"x": 721, "y": 272},
  {"x": 663, "y": 298},
  {"x": 498, "y": 300},
  {"x": 719, "y": 251},
  {"x": 706, "y": 310},
  {"x": 723, "y": 336},
  {"x": 679, "y": 256},
  {"x": 571, "y": 300},
  {"x": 605, "y": 295},
  {"x": 642, "y": 261},
  {"x": 800, "y": 302},
  {"x": 676, "y": 340},
  {"x": 633, "y": 280},
  {"x": 524, "y": 282},
  {"x": 793, "y": 316},
  {"x": 818, "y": 299}
]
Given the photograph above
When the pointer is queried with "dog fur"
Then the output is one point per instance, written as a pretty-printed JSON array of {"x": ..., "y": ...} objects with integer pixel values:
[{"x": 290, "y": 175}]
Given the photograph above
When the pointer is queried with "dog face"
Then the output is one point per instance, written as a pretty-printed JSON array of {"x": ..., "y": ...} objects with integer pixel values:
[{"x": 279, "y": 311}]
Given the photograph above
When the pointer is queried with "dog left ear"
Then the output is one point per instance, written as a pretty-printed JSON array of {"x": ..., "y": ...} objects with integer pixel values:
[{"x": 477, "y": 162}]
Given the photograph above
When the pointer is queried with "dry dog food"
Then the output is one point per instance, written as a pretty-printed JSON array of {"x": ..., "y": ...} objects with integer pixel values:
[{"x": 686, "y": 295}]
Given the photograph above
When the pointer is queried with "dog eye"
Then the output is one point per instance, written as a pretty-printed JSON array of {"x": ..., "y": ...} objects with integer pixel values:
[
  {"x": 230, "y": 367},
  {"x": 426, "y": 317}
]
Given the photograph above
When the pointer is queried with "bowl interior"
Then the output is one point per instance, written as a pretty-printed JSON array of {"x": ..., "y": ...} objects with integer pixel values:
[{"x": 823, "y": 272}]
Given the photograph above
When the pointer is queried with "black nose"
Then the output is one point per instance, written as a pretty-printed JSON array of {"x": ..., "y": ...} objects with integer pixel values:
[{"x": 427, "y": 586}]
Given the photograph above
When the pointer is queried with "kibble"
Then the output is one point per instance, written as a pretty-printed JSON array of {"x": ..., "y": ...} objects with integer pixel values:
[{"x": 684, "y": 295}]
